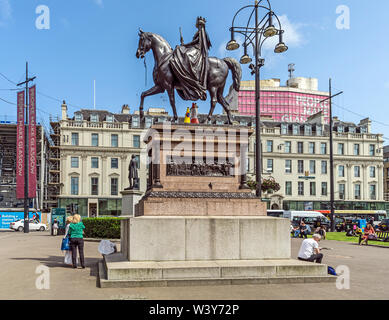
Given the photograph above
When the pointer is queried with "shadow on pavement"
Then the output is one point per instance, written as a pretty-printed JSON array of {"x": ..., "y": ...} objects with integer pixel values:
[{"x": 58, "y": 262}]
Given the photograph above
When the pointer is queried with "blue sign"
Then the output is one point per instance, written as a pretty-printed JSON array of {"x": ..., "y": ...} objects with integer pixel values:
[{"x": 8, "y": 217}]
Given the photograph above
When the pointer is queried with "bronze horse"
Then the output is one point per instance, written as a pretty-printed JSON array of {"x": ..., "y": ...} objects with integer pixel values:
[{"x": 165, "y": 80}]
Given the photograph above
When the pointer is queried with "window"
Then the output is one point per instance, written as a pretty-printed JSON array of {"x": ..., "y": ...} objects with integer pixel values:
[
  {"x": 357, "y": 192},
  {"x": 270, "y": 165},
  {"x": 341, "y": 148},
  {"x": 136, "y": 141},
  {"x": 74, "y": 139},
  {"x": 288, "y": 166},
  {"x": 94, "y": 118},
  {"x": 137, "y": 158},
  {"x": 341, "y": 129},
  {"x": 114, "y": 186},
  {"x": 78, "y": 117},
  {"x": 363, "y": 130},
  {"x": 308, "y": 130},
  {"x": 269, "y": 146},
  {"x": 323, "y": 148},
  {"x": 135, "y": 122},
  {"x": 301, "y": 188},
  {"x": 95, "y": 139},
  {"x": 109, "y": 118},
  {"x": 95, "y": 186},
  {"x": 148, "y": 122},
  {"x": 74, "y": 162},
  {"x": 300, "y": 147},
  {"x": 74, "y": 186},
  {"x": 356, "y": 149},
  {"x": 342, "y": 191},
  {"x": 341, "y": 171},
  {"x": 324, "y": 167},
  {"x": 372, "y": 172},
  {"x": 319, "y": 130},
  {"x": 373, "y": 195},
  {"x": 372, "y": 150},
  {"x": 300, "y": 166},
  {"x": 312, "y": 188},
  {"x": 288, "y": 188},
  {"x": 288, "y": 147},
  {"x": 114, "y": 163},
  {"x": 114, "y": 140},
  {"x": 357, "y": 171},
  {"x": 95, "y": 163},
  {"x": 312, "y": 167},
  {"x": 351, "y": 129},
  {"x": 296, "y": 129},
  {"x": 284, "y": 129},
  {"x": 311, "y": 148},
  {"x": 324, "y": 188}
]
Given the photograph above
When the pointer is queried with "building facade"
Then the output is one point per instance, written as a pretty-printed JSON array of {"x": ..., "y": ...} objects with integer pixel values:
[
  {"x": 94, "y": 149},
  {"x": 295, "y": 102},
  {"x": 386, "y": 173}
]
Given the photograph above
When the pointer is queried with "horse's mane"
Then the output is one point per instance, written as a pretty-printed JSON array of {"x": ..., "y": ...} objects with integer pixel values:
[{"x": 160, "y": 38}]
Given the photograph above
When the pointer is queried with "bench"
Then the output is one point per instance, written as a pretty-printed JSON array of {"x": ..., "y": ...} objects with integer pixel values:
[{"x": 382, "y": 236}]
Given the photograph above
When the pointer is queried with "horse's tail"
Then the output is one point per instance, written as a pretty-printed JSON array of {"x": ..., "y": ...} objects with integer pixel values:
[{"x": 236, "y": 70}]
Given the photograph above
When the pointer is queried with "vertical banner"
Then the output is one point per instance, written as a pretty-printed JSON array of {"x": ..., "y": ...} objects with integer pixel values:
[
  {"x": 20, "y": 147},
  {"x": 32, "y": 179}
]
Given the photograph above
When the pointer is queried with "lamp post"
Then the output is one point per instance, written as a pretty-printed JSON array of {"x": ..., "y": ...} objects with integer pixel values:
[{"x": 256, "y": 35}]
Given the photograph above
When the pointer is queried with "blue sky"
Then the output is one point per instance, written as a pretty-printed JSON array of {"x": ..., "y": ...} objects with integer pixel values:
[{"x": 97, "y": 40}]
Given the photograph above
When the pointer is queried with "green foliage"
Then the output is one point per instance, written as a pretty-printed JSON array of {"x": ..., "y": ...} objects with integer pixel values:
[
  {"x": 268, "y": 185},
  {"x": 102, "y": 228}
]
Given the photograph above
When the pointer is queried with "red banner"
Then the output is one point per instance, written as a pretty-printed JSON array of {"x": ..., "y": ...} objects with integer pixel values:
[
  {"x": 20, "y": 147},
  {"x": 32, "y": 179}
]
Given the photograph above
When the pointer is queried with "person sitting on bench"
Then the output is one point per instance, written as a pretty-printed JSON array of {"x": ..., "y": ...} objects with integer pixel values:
[
  {"x": 310, "y": 250},
  {"x": 368, "y": 234}
]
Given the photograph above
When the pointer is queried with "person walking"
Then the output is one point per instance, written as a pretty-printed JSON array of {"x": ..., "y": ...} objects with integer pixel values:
[
  {"x": 68, "y": 253},
  {"x": 76, "y": 230},
  {"x": 55, "y": 227}
]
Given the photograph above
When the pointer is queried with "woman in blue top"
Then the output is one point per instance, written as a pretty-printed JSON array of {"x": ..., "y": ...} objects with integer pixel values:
[{"x": 76, "y": 232}]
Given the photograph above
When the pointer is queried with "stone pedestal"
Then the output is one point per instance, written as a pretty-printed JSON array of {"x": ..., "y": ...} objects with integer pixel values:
[
  {"x": 130, "y": 198},
  {"x": 198, "y": 222}
]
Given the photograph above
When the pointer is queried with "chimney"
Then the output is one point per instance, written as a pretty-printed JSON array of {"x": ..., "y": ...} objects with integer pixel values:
[
  {"x": 125, "y": 109},
  {"x": 64, "y": 108}
]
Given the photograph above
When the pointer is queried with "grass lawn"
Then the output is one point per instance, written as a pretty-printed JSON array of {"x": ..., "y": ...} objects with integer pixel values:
[{"x": 341, "y": 236}]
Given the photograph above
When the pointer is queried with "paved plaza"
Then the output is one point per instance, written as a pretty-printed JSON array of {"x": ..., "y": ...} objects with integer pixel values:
[{"x": 21, "y": 255}]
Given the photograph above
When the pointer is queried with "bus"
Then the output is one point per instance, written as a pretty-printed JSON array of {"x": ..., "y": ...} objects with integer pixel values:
[{"x": 377, "y": 215}]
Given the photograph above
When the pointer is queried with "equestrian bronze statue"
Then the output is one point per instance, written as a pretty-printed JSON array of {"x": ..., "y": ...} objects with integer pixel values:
[{"x": 188, "y": 70}]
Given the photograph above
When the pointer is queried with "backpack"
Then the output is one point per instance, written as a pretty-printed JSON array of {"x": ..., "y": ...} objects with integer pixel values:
[{"x": 331, "y": 271}]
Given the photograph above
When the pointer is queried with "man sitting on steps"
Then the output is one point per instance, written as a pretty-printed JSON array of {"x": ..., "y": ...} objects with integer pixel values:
[{"x": 310, "y": 250}]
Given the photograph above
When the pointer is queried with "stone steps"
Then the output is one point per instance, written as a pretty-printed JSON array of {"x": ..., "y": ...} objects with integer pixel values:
[{"x": 114, "y": 271}]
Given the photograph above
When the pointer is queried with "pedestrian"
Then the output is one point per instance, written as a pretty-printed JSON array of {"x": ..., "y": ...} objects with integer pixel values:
[
  {"x": 68, "y": 253},
  {"x": 55, "y": 227},
  {"x": 76, "y": 232},
  {"x": 310, "y": 251}
]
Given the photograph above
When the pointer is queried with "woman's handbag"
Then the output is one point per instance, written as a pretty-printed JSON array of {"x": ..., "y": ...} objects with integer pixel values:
[
  {"x": 65, "y": 246},
  {"x": 372, "y": 237}
]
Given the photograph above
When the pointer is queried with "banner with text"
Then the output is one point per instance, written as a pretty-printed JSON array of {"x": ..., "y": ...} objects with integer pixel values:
[
  {"x": 32, "y": 179},
  {"x": 20, "y": 149}
]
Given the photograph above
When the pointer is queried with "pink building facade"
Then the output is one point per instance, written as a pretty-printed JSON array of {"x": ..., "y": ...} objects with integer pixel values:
[{"x": 284, "y": 104}]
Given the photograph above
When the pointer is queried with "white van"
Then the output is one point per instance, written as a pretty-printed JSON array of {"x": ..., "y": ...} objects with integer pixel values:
[{"x": 291, "y": 215}]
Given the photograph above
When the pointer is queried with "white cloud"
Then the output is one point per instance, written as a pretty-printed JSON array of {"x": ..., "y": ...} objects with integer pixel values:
[
  {"x": 99, "y": 3},
  {"x": 5, "y": 12}
]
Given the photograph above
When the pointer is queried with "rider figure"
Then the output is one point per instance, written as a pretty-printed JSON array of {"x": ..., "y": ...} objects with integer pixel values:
[{"x": 190, "y": 64}]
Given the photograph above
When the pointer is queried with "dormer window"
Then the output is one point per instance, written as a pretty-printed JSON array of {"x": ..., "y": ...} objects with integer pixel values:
[
  {"x": 148, "y": 122},
  {"x": 363, "y": 130},
  {"x": 78, "y": 117},
  {"x": 109, "y": 118},
  {"x": 243, "y": 123},
  {"x": 351, "y": 129},
  {"x": 135, "y": 122},
  {"x": 307, "y": 130},
  {"x": 284, "y": 128},
  {"x": 340, "y": 129},
  {"x": 94, "y": 118},
  {"x": 319, "y": 130},
  {"x": 296, "y": 129}
]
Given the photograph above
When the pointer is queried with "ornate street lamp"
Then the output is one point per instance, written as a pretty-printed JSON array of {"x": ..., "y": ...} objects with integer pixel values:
[{"x": 256, "y": 33}]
